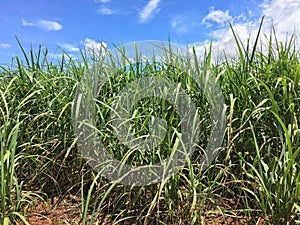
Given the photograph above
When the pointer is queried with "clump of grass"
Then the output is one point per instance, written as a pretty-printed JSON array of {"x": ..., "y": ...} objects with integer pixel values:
[
  {"x": 264, "y": 134},
  {"x": 157, "y": 202},
  {"x": 11, "y": 196},
  {"x": 41, "y": 154}
]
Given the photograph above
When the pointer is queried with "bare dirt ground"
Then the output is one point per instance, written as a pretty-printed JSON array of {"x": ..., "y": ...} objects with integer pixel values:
[
  {"x": 59, "y": 211},
  {"x": 67, "y": 211}
]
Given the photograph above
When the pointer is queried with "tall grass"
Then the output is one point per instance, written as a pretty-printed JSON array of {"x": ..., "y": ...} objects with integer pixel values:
[
  {"x": 265, "y": 107},
  {"x": 254, "y": 178},
  {"x": 11, "y": 195},
  {"x": 36, "y": 132}
]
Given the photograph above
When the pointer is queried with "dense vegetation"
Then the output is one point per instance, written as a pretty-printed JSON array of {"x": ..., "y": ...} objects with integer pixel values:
[{"x": 255, "y": 177}]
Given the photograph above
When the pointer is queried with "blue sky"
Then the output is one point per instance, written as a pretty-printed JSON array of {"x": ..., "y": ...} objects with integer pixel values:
[{"x": 83, "y": 24}]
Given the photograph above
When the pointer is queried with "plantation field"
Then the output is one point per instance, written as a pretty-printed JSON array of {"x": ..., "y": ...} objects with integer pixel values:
[{"x": 255, "y": 178}]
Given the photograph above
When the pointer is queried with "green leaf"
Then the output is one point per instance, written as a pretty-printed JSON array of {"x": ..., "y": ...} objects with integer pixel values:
[{"x": 6, "y": 221}]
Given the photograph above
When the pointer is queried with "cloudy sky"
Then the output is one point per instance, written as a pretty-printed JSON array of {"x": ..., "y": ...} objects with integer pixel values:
[{"x": 73, "y": 25}]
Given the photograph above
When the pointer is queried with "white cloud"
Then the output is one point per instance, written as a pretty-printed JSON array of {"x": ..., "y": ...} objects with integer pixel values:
[
  {"x": 69, "y": 47},
  {"x": 25, "y": 23},
  {"x": 179, "y": 24},
  {"x": 94, "y": 47},
  {"x": 47, "y": 25},
  {"x": 282, "y": 14},
  {"x": 102, "y": 1},
  {"x": 149, "y": 10},
  {"x": 4, "y": 45},
  {"x": 224, "y": 42},
  {"x": 105, "y": 11},
  {"x": 218, "y": 16}
]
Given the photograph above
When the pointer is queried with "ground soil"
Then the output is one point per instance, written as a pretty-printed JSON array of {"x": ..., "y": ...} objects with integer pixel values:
[
  {"x": 67, "y": 211},
  {"x": 58, "y": 211}
]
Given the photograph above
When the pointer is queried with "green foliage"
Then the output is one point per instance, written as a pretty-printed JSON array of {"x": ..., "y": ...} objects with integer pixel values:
[{"x": 256, "y": 174}]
